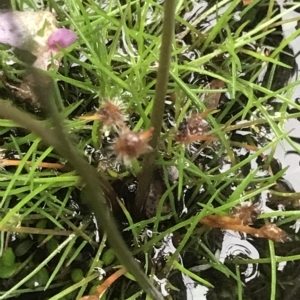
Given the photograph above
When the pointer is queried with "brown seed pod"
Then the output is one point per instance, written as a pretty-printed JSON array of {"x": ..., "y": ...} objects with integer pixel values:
[
  {"x": 195, "y": 129},
  {"x": 111, "y": 114},
  {"x": 131, "y": 144}
]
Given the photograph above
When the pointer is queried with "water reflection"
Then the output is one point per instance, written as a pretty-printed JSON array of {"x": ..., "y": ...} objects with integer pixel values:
[
  {"x": 236, "y": 244},
  {"x": 284, "y": 151}
]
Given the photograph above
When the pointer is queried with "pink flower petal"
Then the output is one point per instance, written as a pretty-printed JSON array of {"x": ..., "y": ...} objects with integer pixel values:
[{"x": 62, "y": 37}]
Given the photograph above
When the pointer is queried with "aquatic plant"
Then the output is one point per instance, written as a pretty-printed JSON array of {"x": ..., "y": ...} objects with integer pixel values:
[{"x": 173, "y": 130}]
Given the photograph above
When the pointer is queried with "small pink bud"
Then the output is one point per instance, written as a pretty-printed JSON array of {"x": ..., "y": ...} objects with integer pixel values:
[{"x": 62, "y": 37}]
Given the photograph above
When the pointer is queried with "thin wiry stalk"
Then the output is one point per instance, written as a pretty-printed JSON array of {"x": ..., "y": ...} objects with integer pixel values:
[{"x": 157, "y": 113}]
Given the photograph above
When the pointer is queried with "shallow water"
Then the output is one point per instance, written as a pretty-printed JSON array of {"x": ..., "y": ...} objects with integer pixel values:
[{"x": 292, "y": 159}]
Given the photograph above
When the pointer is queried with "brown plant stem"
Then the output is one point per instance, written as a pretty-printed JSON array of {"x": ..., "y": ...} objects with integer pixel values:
[
  {"x": 15, "y": 162},
  {"x": 103, "y": 287},
  {"x": 145, "y": 177},
  {"x": 268, "y": 231}
]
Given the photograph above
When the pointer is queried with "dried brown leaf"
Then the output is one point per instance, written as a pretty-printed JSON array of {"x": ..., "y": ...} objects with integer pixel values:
[
  {"x": 246, "y": 213},
  {"x": 274, "y": 233},
  {"x": 212, "y": 100}
]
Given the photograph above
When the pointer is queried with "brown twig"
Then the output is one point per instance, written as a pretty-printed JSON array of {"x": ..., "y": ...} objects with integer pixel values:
[
  {"x": 102, "y": 288},
  {"x": 15, "y": 162},
  {"x": 268, "y": 231}
]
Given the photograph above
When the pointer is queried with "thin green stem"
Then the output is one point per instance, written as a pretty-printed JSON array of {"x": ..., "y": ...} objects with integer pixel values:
[{"x": 145, "y": 177}]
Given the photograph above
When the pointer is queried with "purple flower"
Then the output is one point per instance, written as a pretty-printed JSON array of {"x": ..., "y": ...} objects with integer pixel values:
[{"x": 62, "y": 37}]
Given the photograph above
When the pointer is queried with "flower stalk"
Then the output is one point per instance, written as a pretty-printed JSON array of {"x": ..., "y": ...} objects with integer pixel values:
[{"x": 145, "y": 177}]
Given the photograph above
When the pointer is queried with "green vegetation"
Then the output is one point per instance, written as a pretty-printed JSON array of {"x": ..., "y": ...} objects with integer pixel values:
[{"x": 49, "y": 218}]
